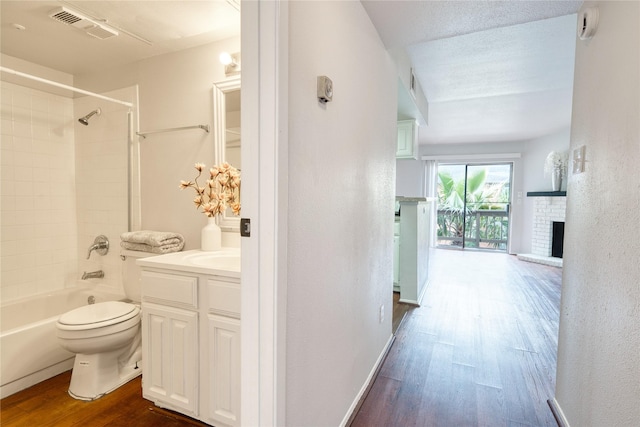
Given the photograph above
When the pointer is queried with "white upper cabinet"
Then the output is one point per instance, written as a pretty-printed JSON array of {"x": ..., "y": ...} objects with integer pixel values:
[{"x": 407, "y": 147}]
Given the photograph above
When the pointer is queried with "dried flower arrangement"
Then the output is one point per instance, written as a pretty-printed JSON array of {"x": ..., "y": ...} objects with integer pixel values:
[
  {"x": 556, "y": 160},
  {"x": 222, "y": 190}
]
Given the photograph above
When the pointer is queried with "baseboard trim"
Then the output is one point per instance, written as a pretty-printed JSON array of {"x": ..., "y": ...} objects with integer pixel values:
[
  {"x": 364, "y": 391},
  {"x": 419, "y": 300},
  {"x": 556, "y": 410},
  {"x": 20, "y": 384}
]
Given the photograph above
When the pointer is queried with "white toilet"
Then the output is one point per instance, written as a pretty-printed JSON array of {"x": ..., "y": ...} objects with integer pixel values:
[{"x": 106, "y": 338}]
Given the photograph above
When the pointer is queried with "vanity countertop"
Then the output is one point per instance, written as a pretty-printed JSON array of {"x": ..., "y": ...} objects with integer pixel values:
[{"x": 225, "y": 262}]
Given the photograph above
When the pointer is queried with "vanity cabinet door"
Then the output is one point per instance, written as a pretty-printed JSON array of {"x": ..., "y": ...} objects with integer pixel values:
[
  {"x": 224, "y": 370},
  {"x": 170, "y": 357}
]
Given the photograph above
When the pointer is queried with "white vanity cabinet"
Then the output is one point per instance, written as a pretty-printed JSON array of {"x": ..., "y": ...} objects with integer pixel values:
[
  {"x": 223, "y": 336},
  {"x": 169, "y": 369},
  {"x": 191, "y": 339}
]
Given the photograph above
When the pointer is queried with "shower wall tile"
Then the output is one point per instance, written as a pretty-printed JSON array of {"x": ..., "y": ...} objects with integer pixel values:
[
  {"x": 36, "y": 145},
  {"x": 62, "y": 185},
  {"x": 101, "y": 164},
  {"x": 21, "y": 98},
  {"x": 6, "y": 95}
]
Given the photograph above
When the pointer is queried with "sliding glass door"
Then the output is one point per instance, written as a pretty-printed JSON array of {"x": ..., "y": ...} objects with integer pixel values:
[{"x": 473, "y": 206}]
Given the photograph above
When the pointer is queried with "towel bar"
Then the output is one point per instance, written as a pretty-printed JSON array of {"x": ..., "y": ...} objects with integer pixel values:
[{"x": 144, "y": 134}]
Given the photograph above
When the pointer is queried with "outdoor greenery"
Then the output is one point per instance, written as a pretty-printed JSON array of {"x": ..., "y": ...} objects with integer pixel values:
[{"x": 481, "y": 198}]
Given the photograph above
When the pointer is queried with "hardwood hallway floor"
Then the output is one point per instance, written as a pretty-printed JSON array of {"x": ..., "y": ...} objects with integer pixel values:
[{"x": 480, "y": 351}]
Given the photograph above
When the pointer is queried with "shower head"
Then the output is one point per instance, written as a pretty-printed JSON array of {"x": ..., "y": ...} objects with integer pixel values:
[{"x": 85, "y": 120}]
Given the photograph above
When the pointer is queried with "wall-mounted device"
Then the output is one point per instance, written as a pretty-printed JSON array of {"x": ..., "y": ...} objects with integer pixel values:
[
  {"x": 325, "y": 89},
  {"x": 588, "y": 23},
  {"x": 412, "y": 83},
  {"x": 92, "y": 27}
]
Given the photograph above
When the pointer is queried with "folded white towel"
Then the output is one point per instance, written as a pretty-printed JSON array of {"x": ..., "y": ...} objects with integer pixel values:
[
  {"x": 164, "y": 249},
  {"x": 152, "y": 238}
]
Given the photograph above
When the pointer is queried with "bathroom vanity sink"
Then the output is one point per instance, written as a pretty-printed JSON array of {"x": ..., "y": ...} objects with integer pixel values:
[
  {"x": 225, "y": 262},
  {"x": 228, "y": 260},
  {"x": 191, "y": 333}
]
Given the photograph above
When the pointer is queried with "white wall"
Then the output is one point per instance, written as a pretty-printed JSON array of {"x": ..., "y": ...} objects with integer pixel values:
[
  {"x": 528, "y": 175},
  {"x": 175, "y": 90},
  {"x": 410, "y": 178},
  {"x": 341, "y": 198},
  {"x": 413, "y": 106},
  {"x": 598, "y": 375}
]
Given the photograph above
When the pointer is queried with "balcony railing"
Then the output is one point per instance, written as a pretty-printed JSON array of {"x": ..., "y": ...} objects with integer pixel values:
[{"x": 485, "y": 228}]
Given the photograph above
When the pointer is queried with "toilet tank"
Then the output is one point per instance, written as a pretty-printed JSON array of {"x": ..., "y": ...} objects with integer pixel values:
[{"x": 131, "y": 273}]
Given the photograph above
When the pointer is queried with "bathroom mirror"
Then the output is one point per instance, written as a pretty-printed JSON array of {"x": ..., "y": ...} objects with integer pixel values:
[{"x": 226, "y": 126}]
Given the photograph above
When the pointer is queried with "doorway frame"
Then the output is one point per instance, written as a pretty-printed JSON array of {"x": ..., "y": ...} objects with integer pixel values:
[{"x": 264, "y": 97}]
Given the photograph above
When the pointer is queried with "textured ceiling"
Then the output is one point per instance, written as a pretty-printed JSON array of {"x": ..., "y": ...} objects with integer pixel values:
[
  {"x": 402, "y": 23},
  {"x": 491, "y": 70},
  {"x": 147, "y": 28}
]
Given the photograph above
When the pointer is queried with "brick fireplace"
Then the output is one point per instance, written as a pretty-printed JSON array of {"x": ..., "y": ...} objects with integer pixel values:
[{"x": 548, "y": 207}]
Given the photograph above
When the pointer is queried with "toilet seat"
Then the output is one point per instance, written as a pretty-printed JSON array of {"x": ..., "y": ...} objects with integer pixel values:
[{"x": 98, "y": 315}]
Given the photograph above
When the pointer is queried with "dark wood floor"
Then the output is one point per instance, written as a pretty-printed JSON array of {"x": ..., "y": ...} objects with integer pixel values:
[
  {"x": 480, "y": 351},
  {"x": 48, "y": 404},
  {"x": 400, "y": 310}
]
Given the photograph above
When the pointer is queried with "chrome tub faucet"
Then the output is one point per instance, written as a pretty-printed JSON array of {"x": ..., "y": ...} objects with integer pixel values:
[
  {"x": 99, "y": 274},
  {"x": 100, "y": 245}
]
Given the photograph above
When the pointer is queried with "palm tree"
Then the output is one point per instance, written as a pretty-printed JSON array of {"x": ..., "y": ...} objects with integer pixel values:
[
  {"x": 453, "y": 208},
  {"x": 451, "y": 200}
]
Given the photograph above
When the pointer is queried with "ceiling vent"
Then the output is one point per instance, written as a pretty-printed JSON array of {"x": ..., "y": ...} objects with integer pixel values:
[{"x": 77, "y": 20}]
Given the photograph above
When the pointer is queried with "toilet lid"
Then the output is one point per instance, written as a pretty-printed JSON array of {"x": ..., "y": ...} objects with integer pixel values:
[{"x": 100, "y": 314}]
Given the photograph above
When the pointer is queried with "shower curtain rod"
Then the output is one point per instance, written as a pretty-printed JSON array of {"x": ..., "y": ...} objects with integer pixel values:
[{"x": 63, "y": 86}]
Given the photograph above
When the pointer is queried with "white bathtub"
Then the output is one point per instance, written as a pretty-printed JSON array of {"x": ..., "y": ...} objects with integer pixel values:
[{"x": 29, "y": 349}]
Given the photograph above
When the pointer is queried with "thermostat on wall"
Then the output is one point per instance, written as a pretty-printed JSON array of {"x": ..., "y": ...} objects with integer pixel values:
[{"x": 325, "y": 89}]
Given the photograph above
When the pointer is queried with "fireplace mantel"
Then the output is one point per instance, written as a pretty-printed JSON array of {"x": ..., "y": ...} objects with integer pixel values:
[{"x": 546, "y": 194}]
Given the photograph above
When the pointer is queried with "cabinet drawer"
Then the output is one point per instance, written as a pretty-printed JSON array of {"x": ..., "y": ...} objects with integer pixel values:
[
  {"x": 224, "y": 298},
  {"x": 170, "y": 289}
]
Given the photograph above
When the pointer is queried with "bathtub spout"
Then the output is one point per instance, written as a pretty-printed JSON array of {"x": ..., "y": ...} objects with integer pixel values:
[{"x": 93, "y": 275}]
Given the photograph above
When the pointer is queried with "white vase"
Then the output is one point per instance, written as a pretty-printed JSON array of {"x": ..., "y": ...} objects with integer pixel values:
[
  {"x": 211, "y": 236},
  {"x": 556, "y": 179}
]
